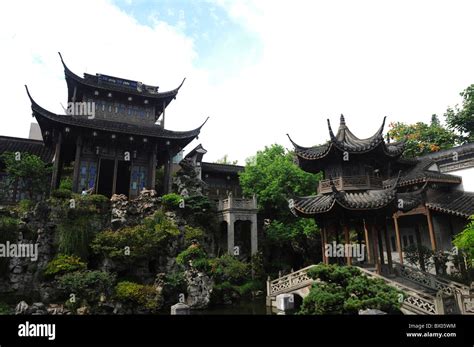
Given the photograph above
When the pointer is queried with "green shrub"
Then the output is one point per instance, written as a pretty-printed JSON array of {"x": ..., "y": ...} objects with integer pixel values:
[
  {"x": 75, "y": 235},
  {"x": 86, "y": 285},
  {"x": 345, "y": 290},
  {"x": 63, "y": 264},
  {"x": 175, "y": 283},
  {"x": 100, "y": 202},
  {"x": 66, "y": 184},
  {"x": 171, "y": 201},
  {"x": 193, "y": 253},
  {"x": 229, "y": 268},
  {"x": 200, "y": 211},
  {"x": 191, "y": 233},
  {"x": 5, "y": 309},
  {"x": 135, "y": 294},
  {"x": 145, "y": 241},
  {"x": 25, "y": 205},
  {"x": 61, "y": 194}
]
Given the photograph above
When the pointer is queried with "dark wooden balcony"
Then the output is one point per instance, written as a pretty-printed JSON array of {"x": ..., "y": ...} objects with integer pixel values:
[{"x": 350, "y": 183}]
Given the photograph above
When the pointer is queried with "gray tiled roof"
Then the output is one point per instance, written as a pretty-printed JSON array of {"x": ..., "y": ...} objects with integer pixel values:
[
  {"x": 345, "y": 140},
  {"x": 421, "y": 174},
  {"x": 36, "y": 147},
  {"x": 111, "y": 126},
  {"x": 458, "y": 203}
]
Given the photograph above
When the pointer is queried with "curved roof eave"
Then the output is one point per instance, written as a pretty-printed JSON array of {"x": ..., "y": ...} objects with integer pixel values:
[
  {"x": 171, "y": 93},
  {"x": 103, "y": 125}
]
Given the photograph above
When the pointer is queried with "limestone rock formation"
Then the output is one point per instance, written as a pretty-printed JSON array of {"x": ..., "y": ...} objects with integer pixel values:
[
  {"x": 199, "y": 288},
  {"x": 187, "y": 181}
]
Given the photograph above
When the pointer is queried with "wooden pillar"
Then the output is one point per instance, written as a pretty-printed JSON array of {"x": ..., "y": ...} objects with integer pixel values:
[
  {"x": 167, "y": 174},
  {"x": 114, "y": 182},
  {"x": 347, "y": 242},
  {"x": 323, "y": 243},
  {"x": 77, "y": 165},
  {"x": 398, "y": 239},
  {"x": 152, "y": 168},
  {"x": 388, "y": 247},
  {"x": 57, "y": 161},
  {"x": 375, "y": 243},
  {"x": 380, "y": 245},
  {"x": 431, "y": 229},
  {"x": 367, "y": 244}
]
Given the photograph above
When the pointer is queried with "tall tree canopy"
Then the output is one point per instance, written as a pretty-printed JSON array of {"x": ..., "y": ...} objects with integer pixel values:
[
  {"x": 461, "y": 118},
  {"x": 273, "y": 177},
  {"x": 422, "y": 138}
]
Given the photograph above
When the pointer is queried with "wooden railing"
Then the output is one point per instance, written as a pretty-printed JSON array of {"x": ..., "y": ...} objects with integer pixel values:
[{"x": 350, "y": 183}]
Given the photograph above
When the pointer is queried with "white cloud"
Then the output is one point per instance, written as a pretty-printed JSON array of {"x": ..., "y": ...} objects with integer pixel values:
[{"x": 366, "y": 59}]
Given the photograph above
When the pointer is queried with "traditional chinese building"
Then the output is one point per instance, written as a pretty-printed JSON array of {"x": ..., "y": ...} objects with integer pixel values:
[
  {"x": 113, "y": 133},
  {"x": 367, "y": 187}
]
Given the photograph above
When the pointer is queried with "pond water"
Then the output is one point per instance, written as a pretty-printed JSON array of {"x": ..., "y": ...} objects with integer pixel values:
[{"x": 253, "y": 307}]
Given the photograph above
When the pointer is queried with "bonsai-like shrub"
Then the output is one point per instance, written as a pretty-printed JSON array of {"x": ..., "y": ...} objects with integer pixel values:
[
  {"x": 66, "y": 183},
  {"x": 86, "y": 285},
  {"x": 61, "y": 193},
  {"x": 144, "y": 241},
  {"x": 345, "y": 290},
  {"x": 138, "y": 296},
  {"x": 195, "y": 255},
  {"x": 63, "y": 264},
  {"x": 171, "y": 201}
]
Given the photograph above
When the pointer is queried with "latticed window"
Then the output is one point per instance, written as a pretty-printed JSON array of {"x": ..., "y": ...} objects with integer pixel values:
[
  {"x": 138, "y": 179},
  {"x": 87, "y": 174}
]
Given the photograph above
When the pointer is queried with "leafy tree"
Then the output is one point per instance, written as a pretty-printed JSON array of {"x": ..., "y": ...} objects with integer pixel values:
[
  {"x": 422, "y": 138},
  {"x": 461, "y": 119},
  {"x": 27, "y": 169},
  {"x": 345, "y": 290},
  {"x": 273, "y": 177},
  {"x": 225, "y": 160},
  {"x": 464, "y": 241}
]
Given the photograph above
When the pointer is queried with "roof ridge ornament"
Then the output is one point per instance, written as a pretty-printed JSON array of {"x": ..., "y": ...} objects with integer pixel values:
[
  {"x": 342, "y": 120},
  {"x": 331, "y": 134}
]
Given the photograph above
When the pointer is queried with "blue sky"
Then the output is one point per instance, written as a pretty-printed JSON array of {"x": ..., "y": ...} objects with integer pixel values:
[
  {"x": 222, "y": 44},
  {"x": 258, "y": 68}
]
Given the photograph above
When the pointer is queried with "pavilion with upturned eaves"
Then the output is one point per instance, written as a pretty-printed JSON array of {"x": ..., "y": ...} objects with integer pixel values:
[
  {"x": 368, "y": 187},
  {"x": 112, "y": 133}
]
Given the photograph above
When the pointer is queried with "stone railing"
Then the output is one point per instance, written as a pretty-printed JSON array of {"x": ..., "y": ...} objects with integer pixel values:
[
  {"x": 431, "y": 281},
  {"x": 350, "y": 183},
  {"x": 292, "y": 281},
  {"x": 467, "y": 304},
  {"x": 237, "y": 203},
  {"x": 416, "y": 302}
]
